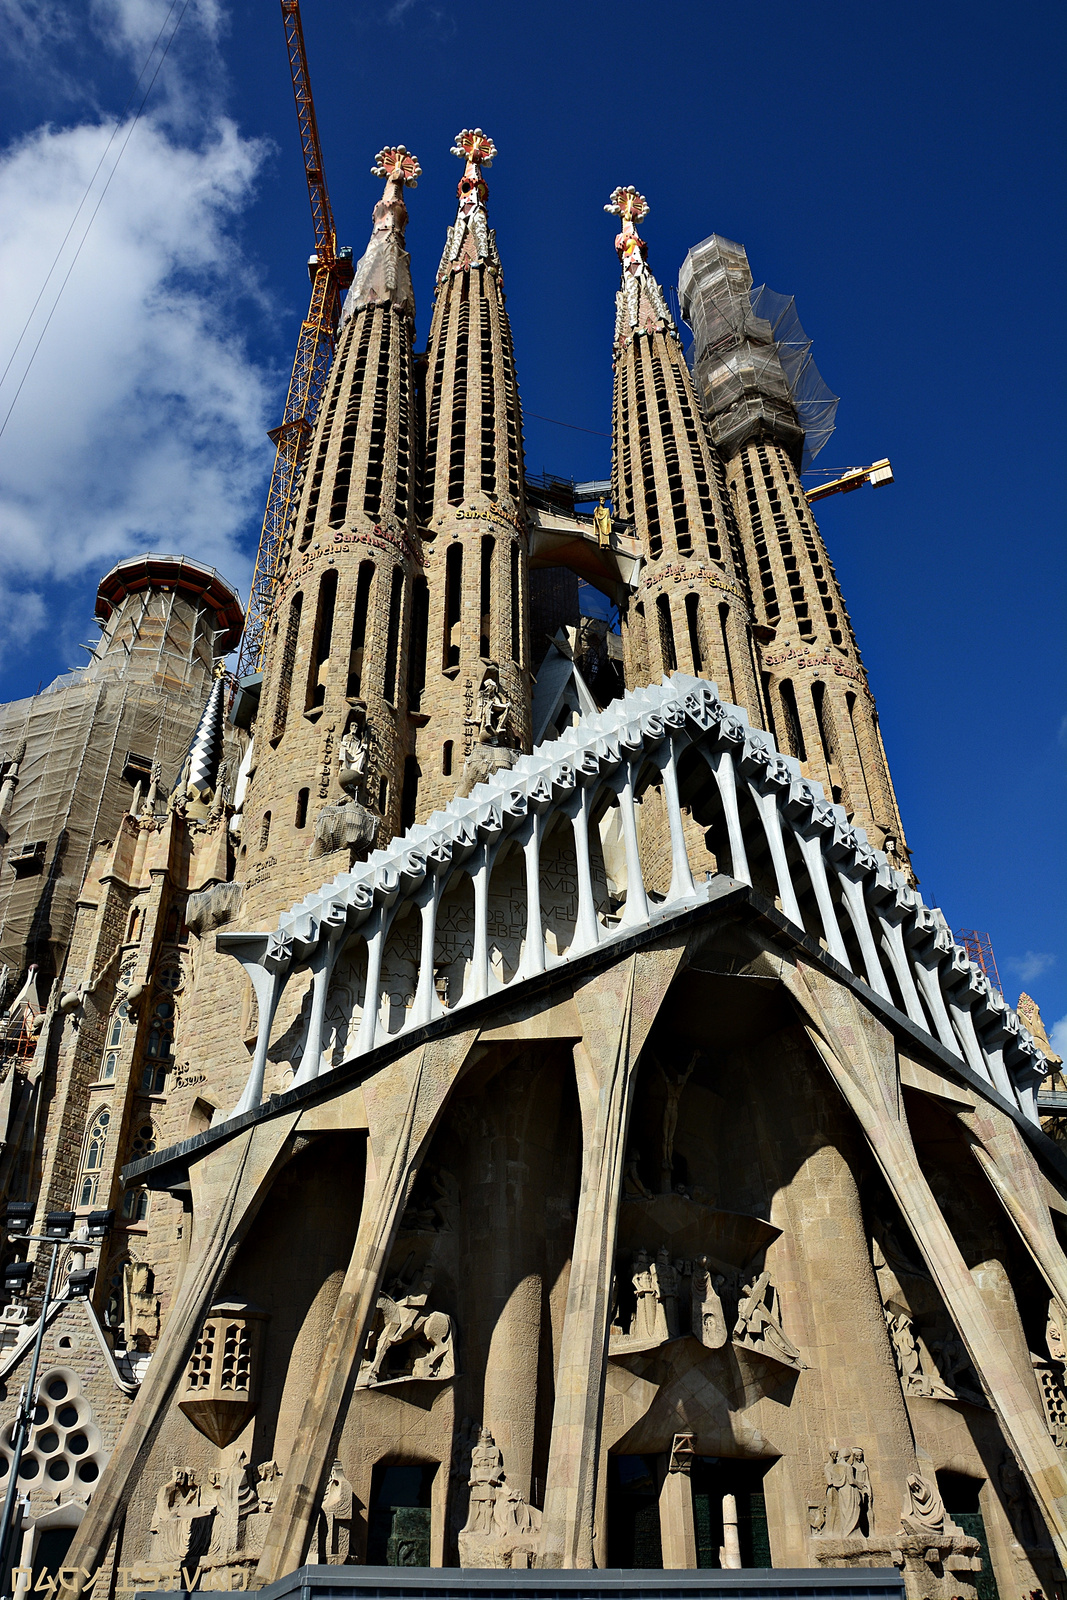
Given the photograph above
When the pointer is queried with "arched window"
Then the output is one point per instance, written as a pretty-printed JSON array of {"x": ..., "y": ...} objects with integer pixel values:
[
  {"x": 264, "y": 831},
  {"x": 135, "y": 1205},
  {"x": 117, "y": 1021},
  {"x": 93, "y": 1157},
  {"x": 160, "y": 1048}
]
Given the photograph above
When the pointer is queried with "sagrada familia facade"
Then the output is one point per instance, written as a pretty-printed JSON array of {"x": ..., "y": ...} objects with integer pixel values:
[{"x": 546, "y": 1126}]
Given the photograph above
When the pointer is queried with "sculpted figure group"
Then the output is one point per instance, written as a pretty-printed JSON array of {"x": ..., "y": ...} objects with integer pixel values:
[
  {"x": 849, "y": 1498},
  {"x": 501, "y": 1530},
  {"x": 660, "y": 1311}
]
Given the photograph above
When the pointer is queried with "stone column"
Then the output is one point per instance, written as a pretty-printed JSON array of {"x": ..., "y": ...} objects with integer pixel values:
[
  {"x": 677, "y": 1525},
  {"x": 617, "y": 1010}
]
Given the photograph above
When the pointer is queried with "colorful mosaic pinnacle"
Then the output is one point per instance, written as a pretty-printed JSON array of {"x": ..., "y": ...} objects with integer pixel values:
[
  {"x": 474, "y": 147},
  {"x": 398, "y": 165},
  {"x": 628, "y": 204}
]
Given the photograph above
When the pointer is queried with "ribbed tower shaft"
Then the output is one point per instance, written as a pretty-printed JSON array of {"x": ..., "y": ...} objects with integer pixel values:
[
  {"x": 339, "y": 644},
  {"x": 691, "y": 611},
  {"x": 473, "y": 505},
  {"x": 822, "y": 709}
]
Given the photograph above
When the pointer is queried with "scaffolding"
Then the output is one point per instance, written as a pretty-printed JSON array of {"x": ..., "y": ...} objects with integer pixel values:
[{"x": 750, "y": 356}]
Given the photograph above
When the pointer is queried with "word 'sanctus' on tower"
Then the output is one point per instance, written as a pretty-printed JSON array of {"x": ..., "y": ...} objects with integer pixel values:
[{"x": 473, "y": 507}]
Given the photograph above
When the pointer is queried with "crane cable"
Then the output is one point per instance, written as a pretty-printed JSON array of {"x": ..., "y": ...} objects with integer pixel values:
[{"x": 96, "y": 208}]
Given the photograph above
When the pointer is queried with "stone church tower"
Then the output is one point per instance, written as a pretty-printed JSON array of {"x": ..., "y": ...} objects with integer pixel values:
[{"x": 584, "y": 1151}]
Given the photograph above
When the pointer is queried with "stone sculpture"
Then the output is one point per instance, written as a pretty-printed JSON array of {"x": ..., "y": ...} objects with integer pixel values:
[
  {"x": 674, "y": 1085},
  {"x": 502, "y": 1529},
  {"x": 757, "y": 1327},
  {"x": 644, "y": 1321},
  {"x": 633, "y": 1186},
  {"x": 353, "y": 753},
  {"x": 181, "y": 1525},
  {"x": 1055, "y": 1338},
  {"x": 494, "y": 709},
  {"x": 848, "y": 1497},
  {"x": 926, "y": 1511},
  {"x": 665, "y": 1283},
  {"x": 602, "y": 523},
  {"x": 346, "y": 826},
  {"x": 708, "y": 1317},
  {"x": 402, "y": 1318},
  {"x": 336, "y": 1512}
]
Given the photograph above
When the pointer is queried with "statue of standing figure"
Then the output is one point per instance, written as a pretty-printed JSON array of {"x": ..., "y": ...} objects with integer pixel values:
[
  {"x": 353, "y": 752},
  {"x": 644, "y": 1323},
  {"x": 665, "y": 1279},
  {"x": 494, "y": 709},
  {"x": 709, "y": 1319},
  {"x": 602, "y": 523},
  {"x": 849, "y": 1497},
  {"x": 675, "y": 1083}
]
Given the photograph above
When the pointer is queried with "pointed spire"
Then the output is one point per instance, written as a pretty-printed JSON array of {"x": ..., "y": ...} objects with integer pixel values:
[
  {"x": 470, "y": 240},
  {"x": 201, "y": 771},
  {"x": 383, "y": 275},
  {"x": 641, "y": 307}
]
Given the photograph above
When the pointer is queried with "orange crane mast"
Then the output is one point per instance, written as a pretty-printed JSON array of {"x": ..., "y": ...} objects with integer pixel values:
[{"x": 330, "y": 270}]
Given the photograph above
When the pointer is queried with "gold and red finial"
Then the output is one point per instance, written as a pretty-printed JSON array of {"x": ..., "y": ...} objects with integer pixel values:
[
  {"x": 474, "y": 147},
  {"x": 631, "y": 207},
  {"x": 397, "y": 164}
]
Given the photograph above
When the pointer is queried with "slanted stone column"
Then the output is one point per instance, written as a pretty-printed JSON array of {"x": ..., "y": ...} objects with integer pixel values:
[{"x": 617, "y": 1009}]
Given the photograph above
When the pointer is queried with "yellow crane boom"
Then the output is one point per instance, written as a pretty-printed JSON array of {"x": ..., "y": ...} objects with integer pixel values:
[{"x": 331, "y": 273}]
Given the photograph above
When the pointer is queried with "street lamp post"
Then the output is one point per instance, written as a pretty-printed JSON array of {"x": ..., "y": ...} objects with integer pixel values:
[{"x": 59, "y": 1225}]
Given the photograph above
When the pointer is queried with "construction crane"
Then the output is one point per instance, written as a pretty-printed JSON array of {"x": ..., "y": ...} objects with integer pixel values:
[
  {"x": 878, "y": 473},
  {"x": 330, "y": 270}
]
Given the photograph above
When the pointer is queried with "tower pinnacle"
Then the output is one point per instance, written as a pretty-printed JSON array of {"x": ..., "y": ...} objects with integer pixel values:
[
  {"x": 641, "y": 306},
  {"x": 383, "y": 276},
  {"x": 470, "y": 239}
]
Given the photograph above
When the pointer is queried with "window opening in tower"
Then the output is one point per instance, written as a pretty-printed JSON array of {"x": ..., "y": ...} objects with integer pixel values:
[
  {"x": 666, "y": 634},
  {"x": 453, "y": 602},
  {"x": 485, "y": 640},
  {"x": 458, "y": 454},
  {"x": 724, "y": 619},
  {"x": 692, "y": 617},
  {"x": 320, "y": 655},
  {"x": 517, "y": 653},
  {"x": 420, "y": 622},
  {"x": 359, "y": 629},
  {"x": 288, "y": 664},
  {"x": 791, "y": 713},
  {"x": 392, "y": 643}
]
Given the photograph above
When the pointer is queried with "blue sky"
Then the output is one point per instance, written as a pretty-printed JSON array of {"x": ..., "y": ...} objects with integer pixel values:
[{"x": 898, "y": 169}]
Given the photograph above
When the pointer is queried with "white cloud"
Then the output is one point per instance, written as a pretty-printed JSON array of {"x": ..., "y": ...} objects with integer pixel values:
[
  {"x": 1057, "y": 1037},
  {"x": 1031, "y": 966},
  {"x": 141, "y": 421}
]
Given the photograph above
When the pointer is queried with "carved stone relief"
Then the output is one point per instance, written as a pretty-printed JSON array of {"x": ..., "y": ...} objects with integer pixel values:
[
  {"x": 408, "y": 1342},
  {"x": 333, "y": 1530}
]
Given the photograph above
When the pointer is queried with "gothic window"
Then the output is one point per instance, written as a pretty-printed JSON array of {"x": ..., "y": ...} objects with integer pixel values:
[
  {"x": 170, "y": 978},
  {"x": 135, "y": 1205},
  {"x": 93, "y": 1157},
  {"x": 116, "y": 1026}
]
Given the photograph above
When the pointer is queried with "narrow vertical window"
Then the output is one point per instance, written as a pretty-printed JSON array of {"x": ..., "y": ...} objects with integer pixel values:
[
  {"x": 765, "y": 679},
  {"x": 485, "y": 643},
  {"x": 359, "y": 629},
  {"x": 724, "y": 619},
  {"x": 320, "y": 652},
  {"x": 793, "y": 730},
  {"x": 302, "y": 808},
  {"x": 285, "y": 677},
  {"x": 666, "y": 634},
  {"x": 516, "y": 611},
  {"x": 446, "y": 758},
  {"x": 453, "y": 603},
  {"x": 264, "y": 831},
  {"x": 383, "y": 795},
  {"x": 409, "y": 797},
  {"x": 420, "y": 619},
  {"x": 692, "y": 618},
  {"x": 392, "y": 638}
]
